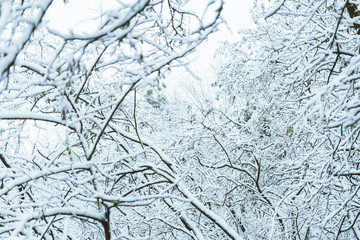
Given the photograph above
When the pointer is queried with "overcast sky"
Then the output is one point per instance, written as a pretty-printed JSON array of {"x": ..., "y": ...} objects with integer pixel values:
[
  {"x": 77, "y": 15},
  {"x": 237, "y": 15}
]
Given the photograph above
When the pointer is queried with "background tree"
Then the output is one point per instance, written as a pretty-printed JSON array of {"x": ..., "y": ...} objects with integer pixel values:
[{"x": 314, "y": 48}]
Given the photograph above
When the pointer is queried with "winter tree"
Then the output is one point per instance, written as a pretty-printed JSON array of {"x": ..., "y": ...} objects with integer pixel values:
[
  {"x": 91, "y": 147},
  {"x": 283, "y": 134},
  {"x": 312, "y": 49},
  {"x": 77, "y": 162}
]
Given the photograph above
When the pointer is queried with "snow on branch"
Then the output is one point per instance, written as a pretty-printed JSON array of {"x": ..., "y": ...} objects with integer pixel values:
[{"x": 274, "y": 9}]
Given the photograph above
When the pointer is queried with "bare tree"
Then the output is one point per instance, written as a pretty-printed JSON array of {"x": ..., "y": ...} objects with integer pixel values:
[
  {"x": 74, "y": 162},
  {"x": 313, "y": 48}
]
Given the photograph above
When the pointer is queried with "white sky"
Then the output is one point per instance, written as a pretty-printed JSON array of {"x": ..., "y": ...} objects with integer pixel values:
[
  {"x": 77, "y": 15},
  {"x": 237, "y": 15}
]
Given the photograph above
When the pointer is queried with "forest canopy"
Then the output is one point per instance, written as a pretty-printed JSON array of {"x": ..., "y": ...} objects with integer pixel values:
[{"x": 92, "y": 147}]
